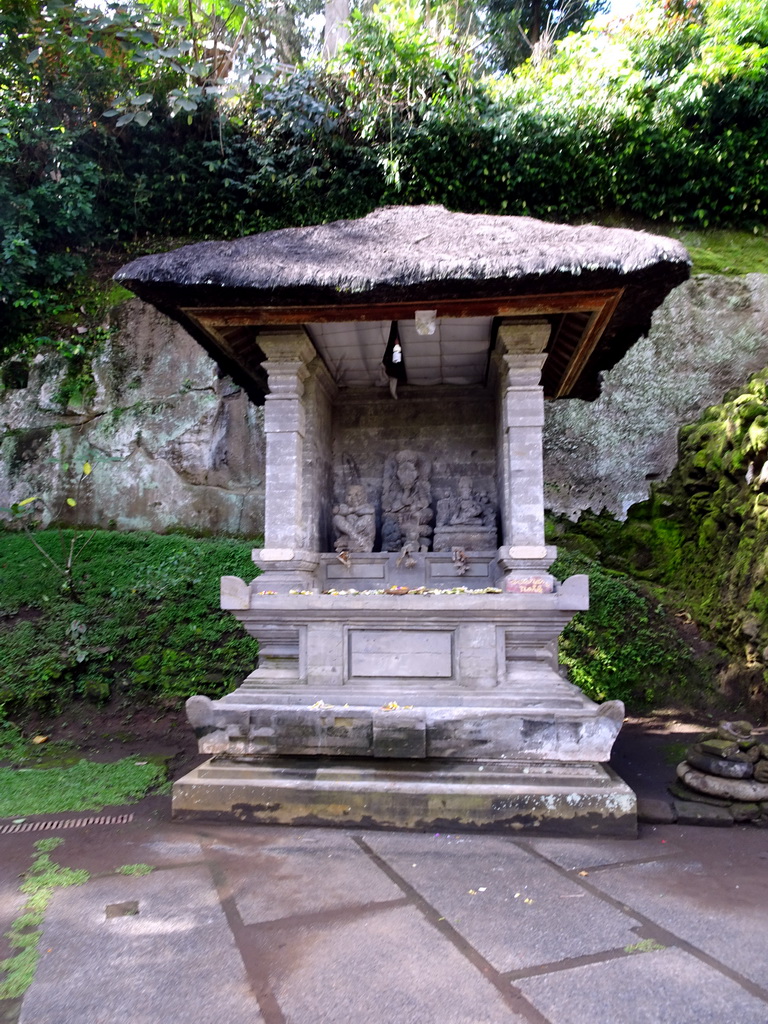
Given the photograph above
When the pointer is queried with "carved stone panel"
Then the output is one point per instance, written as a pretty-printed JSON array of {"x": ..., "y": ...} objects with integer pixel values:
[{"x": 400, "y": 653}]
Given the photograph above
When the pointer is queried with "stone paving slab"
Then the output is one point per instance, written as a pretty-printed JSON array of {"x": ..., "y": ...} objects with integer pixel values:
[
  {"x": 142, "y": 969},
  {"x": 388, "y": 967},
  {"x": 577, "y": 854},
  {"x": 514, "y": 909},
  {"x": 299, "y": 872},
  {"x": 724, "y": 916},
  {"x": 258, "y": 925},
  {"x": 664, "y": 987}
]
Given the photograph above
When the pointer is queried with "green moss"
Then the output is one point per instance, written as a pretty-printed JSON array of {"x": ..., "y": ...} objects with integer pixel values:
[
  {"x": 135, "y": 869},
  {"x": 702, "y": 540},
  {"x": 624, "y": 647},
  {"x": 725, "y": 252},
  {"x": 42, "y": 879},
  {"x": 83, "y": 787}
]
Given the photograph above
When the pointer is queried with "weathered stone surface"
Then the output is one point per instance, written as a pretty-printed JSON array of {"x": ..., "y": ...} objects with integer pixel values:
[
  {"x": 653, "y": 811},
  {"x": 739, "y": 731},
  {"x": 681, "y": 792},
  {"x": 172, "y": 444},
  {"x": 707, "y": 338},
  {"x": 719, "y": 747},
  {"x": 547, "y": 799},
  {"x": 745, "y": 812},
  {"x": 689, "y": 813},
  {"x": 719, "y": 766},
  {"x": 735, "y": 789}
]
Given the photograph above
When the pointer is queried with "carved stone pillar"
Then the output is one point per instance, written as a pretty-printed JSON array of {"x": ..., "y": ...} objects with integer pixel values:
[
  {"x": 285, "y": 561},
  {"x": 520, "y": 358}
]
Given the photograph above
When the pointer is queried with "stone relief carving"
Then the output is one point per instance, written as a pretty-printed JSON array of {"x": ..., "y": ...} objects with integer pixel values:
[
  {"x": 406, "y": 503},
  {"x": 465, "y": 522},
  {"x": 468, "y": 508},
  {"x": 354, "y": 521}
]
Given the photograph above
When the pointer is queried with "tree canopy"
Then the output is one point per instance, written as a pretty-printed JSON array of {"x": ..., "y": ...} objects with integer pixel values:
[{"x": 132, "y": 120}]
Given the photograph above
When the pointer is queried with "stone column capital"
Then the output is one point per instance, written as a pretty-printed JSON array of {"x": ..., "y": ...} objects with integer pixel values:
[
  {"x": 285, "y": 346},
  {"x": 523, "y": 337},
  {"x": 520, "y": 352}
]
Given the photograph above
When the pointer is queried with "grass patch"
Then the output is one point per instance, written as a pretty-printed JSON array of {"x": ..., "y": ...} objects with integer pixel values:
[
  {"x": 143, "y": 618},
  {"x": 644, "y": 946},
  {"x": 135, "y": 869},
  {"x": 725, "y": 252},
  {"x": 85, "y": 786},
  {"x": 42, "y": 880}
]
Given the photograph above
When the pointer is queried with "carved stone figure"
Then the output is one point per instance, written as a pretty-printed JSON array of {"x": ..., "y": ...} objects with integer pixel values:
[
  {"x": 406, "y": 502},
  {"x": 354, "y": 521},
  {"x": 466, "y": 521}
]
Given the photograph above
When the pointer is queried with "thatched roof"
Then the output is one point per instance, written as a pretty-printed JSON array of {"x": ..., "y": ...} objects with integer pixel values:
[{"x": 421, "y": 254}]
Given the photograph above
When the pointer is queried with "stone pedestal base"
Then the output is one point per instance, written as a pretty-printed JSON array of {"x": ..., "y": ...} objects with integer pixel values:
[
  {"x": 453, "y": 796},
  {"x": 468, "y": 538}
]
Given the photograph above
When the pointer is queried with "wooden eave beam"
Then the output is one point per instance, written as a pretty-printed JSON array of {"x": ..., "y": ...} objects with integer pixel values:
[
  {"x": 513, "y": 305},
  {"x": 215, "y": 321}
]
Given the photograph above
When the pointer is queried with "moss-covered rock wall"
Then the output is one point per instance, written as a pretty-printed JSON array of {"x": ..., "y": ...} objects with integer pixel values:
[
  {"x": 708, "y": 337},
  {"x": 175, "y": 446},
  {"x": 700, "y": 543},
  {"x": 172, "y": 444}
]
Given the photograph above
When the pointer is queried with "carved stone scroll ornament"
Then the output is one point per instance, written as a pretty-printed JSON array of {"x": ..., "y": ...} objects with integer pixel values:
[
  {"x": 406, "y": 503},
  {"x": 354, "y": 521}
]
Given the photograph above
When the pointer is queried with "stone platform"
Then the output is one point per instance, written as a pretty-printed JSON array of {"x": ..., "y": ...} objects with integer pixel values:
[{"x": 417, "y": 795}]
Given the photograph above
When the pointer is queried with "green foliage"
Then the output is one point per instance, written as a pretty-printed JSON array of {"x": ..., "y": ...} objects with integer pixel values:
[
  {"x": 623, "y": 648},
  {"x": 135, "y": 869},
  {"x": 146, "y": 620},
  {"x": 42, "y": 879},
  {"x": 85, "y": 786},
  {"x": 701, "y": 541},
  {"x": 662, "y": 117},
  {"x": 517, "y": 30},
  {"x": 13, "y": 746}
]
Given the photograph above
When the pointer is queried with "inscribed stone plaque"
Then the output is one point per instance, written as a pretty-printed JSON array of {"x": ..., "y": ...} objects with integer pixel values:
[
  {"x": 427, "y": 654},
  {"x": 528, "y": 585}
]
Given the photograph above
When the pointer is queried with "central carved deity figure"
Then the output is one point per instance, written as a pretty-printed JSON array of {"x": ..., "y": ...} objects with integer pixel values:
[{"x": 406, "y": 502}]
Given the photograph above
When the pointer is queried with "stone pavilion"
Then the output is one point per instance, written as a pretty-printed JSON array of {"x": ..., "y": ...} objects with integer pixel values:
[{"x": 405, "y": 611}]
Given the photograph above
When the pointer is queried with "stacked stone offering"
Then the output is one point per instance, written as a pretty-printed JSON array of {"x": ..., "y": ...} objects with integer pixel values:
[{"x": 727, "y": 767}]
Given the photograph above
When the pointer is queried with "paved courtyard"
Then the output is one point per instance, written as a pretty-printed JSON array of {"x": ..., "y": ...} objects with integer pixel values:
[{"x": 245, "y": 925}]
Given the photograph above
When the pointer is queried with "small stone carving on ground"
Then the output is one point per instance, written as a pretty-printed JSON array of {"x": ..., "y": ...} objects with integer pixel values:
[
  {"x": 406, "y": 503},
  {"x": 727, "y": 767},
  {"x": 354, "y": 521}
]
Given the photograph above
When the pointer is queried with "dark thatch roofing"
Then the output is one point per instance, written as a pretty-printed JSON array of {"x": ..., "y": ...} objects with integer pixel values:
[{"x": 421, "y": 254}]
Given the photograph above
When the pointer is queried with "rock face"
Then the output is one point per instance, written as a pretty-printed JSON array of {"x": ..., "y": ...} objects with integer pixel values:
[
  {"x": 172, "y": 444},
  {"x": 707, "y": 338}
]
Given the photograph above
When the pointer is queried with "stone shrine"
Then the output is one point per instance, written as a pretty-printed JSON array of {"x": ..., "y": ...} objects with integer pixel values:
[{"x": 407, "y": 619}]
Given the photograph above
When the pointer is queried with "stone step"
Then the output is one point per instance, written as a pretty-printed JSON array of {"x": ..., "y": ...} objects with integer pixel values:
[{"x": 547, "y": 798}]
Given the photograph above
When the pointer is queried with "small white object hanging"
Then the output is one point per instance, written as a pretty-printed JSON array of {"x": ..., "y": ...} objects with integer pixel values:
[{"x": 425, "y": 321}]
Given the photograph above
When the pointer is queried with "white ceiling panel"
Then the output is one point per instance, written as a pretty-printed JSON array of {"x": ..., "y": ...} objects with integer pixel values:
[{"x": 457, "y": 353}]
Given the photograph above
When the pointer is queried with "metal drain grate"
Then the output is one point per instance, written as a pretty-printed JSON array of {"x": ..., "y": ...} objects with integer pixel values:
[{"x": 38, "y": 826}]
